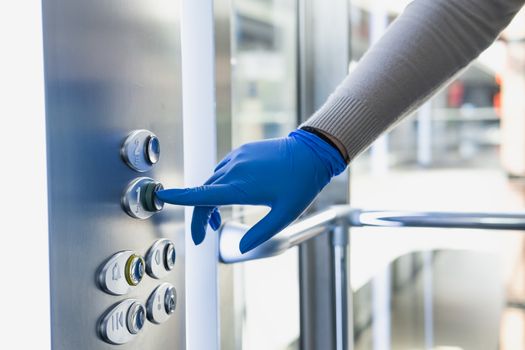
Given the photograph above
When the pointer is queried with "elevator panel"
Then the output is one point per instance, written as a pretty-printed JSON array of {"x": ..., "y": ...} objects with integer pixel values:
[{"x": 113, "y": 115}]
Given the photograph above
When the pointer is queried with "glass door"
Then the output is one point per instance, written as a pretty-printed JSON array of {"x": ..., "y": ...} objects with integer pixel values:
[
  {"x": 260, "y": 298},
  {"x": 277, "y": 64}
]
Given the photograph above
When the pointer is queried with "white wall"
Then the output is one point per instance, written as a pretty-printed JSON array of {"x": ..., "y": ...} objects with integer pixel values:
[{"x": 24, "y": 286}]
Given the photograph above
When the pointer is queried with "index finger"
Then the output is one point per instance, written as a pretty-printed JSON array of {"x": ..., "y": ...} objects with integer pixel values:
[{"x": 206, "y": 195}]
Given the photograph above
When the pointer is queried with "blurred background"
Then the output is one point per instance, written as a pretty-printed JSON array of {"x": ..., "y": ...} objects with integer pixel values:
[{"x": 464, "y": 150}]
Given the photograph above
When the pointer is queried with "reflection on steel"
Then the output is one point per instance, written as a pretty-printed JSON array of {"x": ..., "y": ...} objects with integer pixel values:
[
  {"x": 110, "y": 68},
  {"x": 484, "y": 221},
  {"x": 303, "y": 230},
  {"x": 231, "y": 234},
  {"x": 341, "y": 277}
]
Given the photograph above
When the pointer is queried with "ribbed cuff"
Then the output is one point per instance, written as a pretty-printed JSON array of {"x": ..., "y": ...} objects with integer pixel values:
[{"x": 350, "y": 121}]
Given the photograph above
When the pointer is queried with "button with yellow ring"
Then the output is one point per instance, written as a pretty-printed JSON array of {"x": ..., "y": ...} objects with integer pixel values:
[{"x": 135, "y": 267}]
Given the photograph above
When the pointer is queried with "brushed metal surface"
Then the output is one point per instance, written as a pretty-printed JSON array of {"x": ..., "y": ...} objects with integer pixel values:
[{"x": 111, "y": 67}]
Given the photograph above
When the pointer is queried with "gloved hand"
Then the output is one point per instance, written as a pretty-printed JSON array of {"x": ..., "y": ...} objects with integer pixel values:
[{"x": 285, "y": 174}]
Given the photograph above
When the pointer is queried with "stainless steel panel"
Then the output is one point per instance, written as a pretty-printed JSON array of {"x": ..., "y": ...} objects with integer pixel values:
[{"x": 111, "y": 67}]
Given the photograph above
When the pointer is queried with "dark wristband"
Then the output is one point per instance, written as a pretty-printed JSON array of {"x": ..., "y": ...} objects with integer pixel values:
[{"x": 325, "y": 139}]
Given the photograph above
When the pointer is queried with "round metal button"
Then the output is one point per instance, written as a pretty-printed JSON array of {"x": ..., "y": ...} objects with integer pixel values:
[
  {"x": 135, "y": 267},
  {"x": 161, "y": 303},
  {"x": 141, "y": 150},
  {"x": 153, "y": 149},
  {"x": 169, "y": 256},
  {"x": 150, "y": 201},
  {"x": 136, "y": 317},
  {"x": 170, "y": 300},
  {"x": 119, "y": 321},
  {"x": 139, "y": 200},
  {"x": 159, "y": 258}
]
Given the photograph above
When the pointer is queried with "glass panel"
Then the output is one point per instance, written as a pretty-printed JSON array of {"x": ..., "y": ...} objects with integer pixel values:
[
  {"x": 462, "y": 151},
  {"x": 264, "y": 97},
  {"x": 431, "y": 306},
  {"x": 264, "y": 105}
]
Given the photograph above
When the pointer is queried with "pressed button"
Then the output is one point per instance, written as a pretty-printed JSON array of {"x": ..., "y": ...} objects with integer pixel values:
[
  {"x": 139, "y": 200},
  {"x": 150, "y": 201}
]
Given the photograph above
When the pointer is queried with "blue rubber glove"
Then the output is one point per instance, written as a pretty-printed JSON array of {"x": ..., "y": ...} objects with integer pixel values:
[{"x": 285, "y": 174}]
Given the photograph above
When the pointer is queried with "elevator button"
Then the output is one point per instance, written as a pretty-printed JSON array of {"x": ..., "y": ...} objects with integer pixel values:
[
  {"x": 169, "y": 256},
  {"x": 121, "y": 323},
  {"x": 153, "y": 149},
  {"x": 136, "y": 317},
  {"x": 160, "y": 258},
  {"x": 134, "y": 270},
  {"x": 112, "y": 274},
  {"x": 161, "y": 303},
  {"x": 139, "y": 200},
  {"x": 141, "y": 150},
  {"x": 170, "y": 300},
  {"x": 150, "y": 201}
]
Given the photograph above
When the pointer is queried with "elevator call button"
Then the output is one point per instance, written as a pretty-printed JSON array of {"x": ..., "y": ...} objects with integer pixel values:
[
  {"x": 141, "y": 150},
  {"x": 160, "y": 258},
  {"x": 120, "y": 272},
  {"x": 139, "y": 200},
  {"x": 134, "y": 271},
  {"x": 161, "y": 303},
  {"x": 122, "y": 322}
]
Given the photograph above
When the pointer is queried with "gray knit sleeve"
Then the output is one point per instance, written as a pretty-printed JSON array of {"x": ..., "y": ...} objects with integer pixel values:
[{"x": 425, "y": 46}]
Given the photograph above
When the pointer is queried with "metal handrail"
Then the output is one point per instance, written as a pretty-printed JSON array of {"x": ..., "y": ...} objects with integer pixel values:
[
  {"x": 336, "y": 220},
  {"x": 320, "y": 223},
  {"x": 484, "y": 221},
  {"x": 297, "y": 233}
]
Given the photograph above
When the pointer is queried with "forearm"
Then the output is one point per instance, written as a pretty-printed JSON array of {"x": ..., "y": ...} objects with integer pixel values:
[{"x": 428, "y": 44}]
